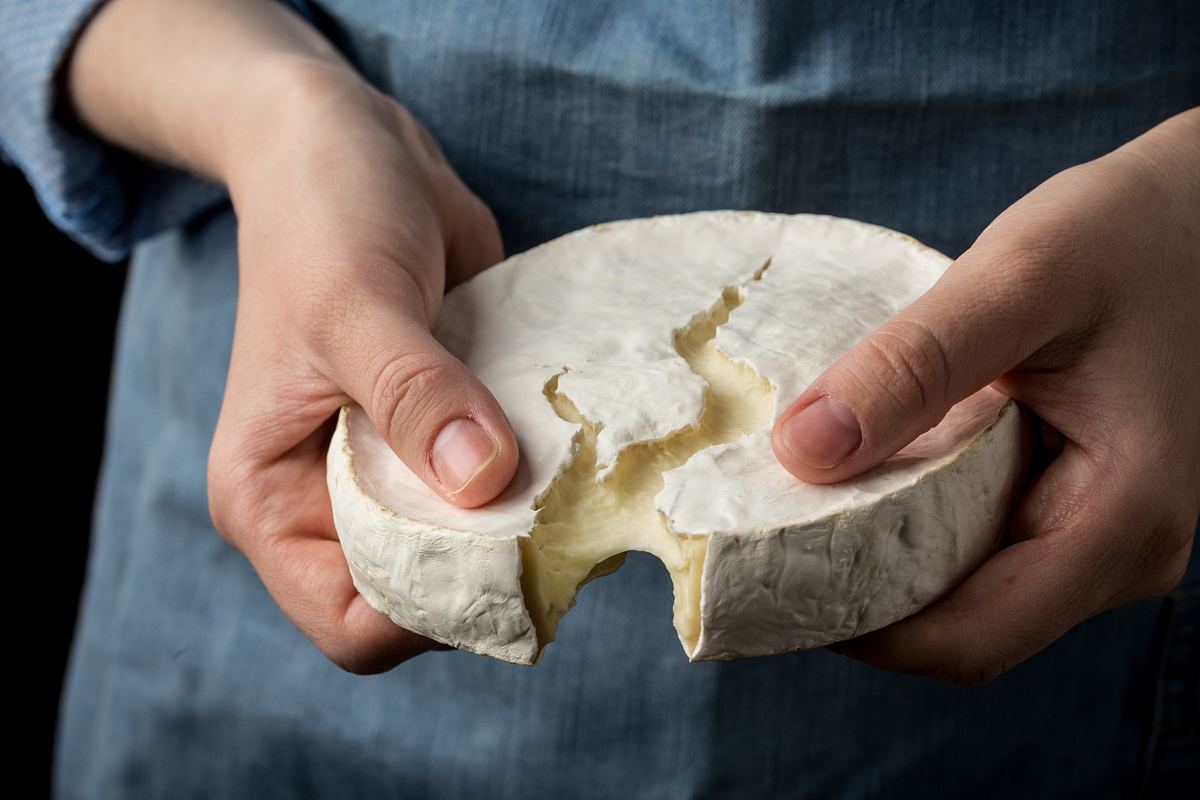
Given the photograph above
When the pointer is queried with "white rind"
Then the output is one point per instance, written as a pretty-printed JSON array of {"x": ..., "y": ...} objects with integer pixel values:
[
  {"x": 789, "y": 565},
  {"x": 418, "y": 574},
  {"x": 844, "y": 573}
]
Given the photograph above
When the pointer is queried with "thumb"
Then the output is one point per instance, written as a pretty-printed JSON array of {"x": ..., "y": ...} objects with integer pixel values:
[
  {"x": 902, "y": 379},
  {"x": 433, "y": 412}
]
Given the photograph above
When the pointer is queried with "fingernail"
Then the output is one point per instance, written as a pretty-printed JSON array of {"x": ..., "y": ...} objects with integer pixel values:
[
  {"x": 823, "y": 434},
  {"x": 460, "y": 452}
]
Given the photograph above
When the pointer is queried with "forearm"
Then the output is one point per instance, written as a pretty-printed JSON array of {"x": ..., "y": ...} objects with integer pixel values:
[{"x": 195, "y": 83}]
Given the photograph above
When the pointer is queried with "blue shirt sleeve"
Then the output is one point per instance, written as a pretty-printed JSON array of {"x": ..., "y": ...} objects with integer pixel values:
[{"x": 102, "y": 196}]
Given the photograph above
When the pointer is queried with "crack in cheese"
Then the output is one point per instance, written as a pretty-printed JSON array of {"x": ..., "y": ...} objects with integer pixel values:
[{"x": 584, "y": 523}]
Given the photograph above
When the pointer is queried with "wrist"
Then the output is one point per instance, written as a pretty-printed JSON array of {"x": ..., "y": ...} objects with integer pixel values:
[
  {"x": 290, "y": 102},
  {"x": 193, "y": 84}
]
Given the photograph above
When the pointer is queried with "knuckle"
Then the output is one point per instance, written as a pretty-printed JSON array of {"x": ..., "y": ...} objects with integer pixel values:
[
  {"x": 316, "y": 79},
  {"x": 432, "y": 149},
  {"x": 977, "y": 676},
  {"x": 909, "y": 365},
  {"x": 354, "y": 660},
  {"x": 222, "y": 490},
  {"x": 345, "y": 660},
  {"x": 1178, "y": 533},
  {"x": 406, "y": 389},
  {"x": 973, "y": 671},
  {"x": 235, "y": 498},
  {"x": 1167, "y": 579},
  {"x": 1172, "y": 542},
  {"x": 971, "y": 661}
]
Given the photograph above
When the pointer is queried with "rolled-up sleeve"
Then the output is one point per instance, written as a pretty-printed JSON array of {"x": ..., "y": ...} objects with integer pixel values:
[{"x": 102, "y": 196}]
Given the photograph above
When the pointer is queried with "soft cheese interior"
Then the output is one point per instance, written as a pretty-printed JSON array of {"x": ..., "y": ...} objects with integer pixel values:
[{"x": 583, "y": 522}]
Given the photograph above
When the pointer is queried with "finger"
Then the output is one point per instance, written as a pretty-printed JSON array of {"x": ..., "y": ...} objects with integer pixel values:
[
  {"x": 309, "y": 580},
  {"x": 1073, "y": 555},
  {"x": 433, "y": 412},
  {"x": 1039, "y": 446},
  {"x": 982, "y": 318},
  {"x": 474, "y": 243},
  {"x": 283, "y": 524}
]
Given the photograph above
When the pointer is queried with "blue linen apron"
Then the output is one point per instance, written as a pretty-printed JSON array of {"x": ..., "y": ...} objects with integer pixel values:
[{"x": 929, "y": 117}]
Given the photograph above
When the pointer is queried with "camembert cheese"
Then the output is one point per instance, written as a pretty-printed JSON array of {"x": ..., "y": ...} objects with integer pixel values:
[{"x": 642, "y": 365}]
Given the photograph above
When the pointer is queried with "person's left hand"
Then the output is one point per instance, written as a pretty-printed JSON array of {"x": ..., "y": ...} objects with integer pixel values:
[{"x": 1079, "y": 301}]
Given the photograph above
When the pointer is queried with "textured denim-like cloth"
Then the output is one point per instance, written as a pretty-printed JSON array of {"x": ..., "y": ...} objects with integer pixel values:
[
  {"x": 103, "y": 197},
  {"x": 186, "y": 680}
]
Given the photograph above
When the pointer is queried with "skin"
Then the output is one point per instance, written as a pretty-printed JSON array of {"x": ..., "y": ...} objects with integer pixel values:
[
  {"x": 351, "y": 226},
  {"x": 1079, "y": 301}
]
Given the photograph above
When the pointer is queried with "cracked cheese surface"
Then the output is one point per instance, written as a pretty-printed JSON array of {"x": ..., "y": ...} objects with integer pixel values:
[{"x": 642, "y": 365}]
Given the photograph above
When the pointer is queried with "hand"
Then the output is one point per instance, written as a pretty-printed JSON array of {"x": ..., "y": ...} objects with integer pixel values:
[
  {"x": 349, "y": 224},
  {"x": 1079, "y": 301}
]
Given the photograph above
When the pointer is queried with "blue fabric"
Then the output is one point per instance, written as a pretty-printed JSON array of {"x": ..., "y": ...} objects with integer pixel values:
[
  {"x": 929, "y": 117},
  {"x": 100, "y": 195}
]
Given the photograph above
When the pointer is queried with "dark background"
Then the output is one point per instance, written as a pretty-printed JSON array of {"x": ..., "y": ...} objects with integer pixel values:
[{"x": 67, "y": 303}]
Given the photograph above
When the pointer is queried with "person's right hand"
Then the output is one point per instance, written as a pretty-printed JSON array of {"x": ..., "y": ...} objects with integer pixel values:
[{"x": 350, "y": 226}]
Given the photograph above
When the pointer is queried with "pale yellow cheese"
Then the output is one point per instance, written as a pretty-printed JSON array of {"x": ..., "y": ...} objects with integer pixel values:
[{"x": 582, "y": 522}]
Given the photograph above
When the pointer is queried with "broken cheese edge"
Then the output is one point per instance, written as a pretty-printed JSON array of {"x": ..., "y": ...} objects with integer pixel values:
[{"x": 793, "y": 584}]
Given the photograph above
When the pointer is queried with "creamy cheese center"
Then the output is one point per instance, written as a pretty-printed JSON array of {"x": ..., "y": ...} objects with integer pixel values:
[{"x": 584, "y": 527}]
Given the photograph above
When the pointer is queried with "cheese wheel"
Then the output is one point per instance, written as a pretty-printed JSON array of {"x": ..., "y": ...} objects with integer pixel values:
[{"x": 642, "y": 365}]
